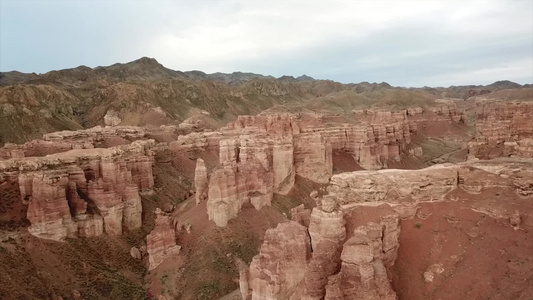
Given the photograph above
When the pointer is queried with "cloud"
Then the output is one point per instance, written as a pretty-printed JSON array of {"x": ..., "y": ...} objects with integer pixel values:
[{"x": 411, "y": 43}]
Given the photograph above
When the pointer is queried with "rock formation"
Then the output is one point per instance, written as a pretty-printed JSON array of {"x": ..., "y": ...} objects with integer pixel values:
[
  {"x": 359, "y": 267},
  {"x": 327, "y": 223},
  {"x": 327, "y": 231},
  {"x": 62, "y": 141},
  {"x": 278, "y": 147},
  {"x": 276, "y": 271},
  {"x": 333, "y": 267},
  {"x": 235, "y": 184},
  {"x": 161, "y": 242},
  {"x": 312, "y": 157},
  {"x": 111, "y": 118},
  {"x": 283, "y": 166},
  {"x": 503, "y": 129},
  {"x": 430, "y": 184},
  {"x": 390, "y": 185},
  {"x": 366, "y": 257},
  {"x": 83, "y": 192},
  {"x": 200, "y": 181}
]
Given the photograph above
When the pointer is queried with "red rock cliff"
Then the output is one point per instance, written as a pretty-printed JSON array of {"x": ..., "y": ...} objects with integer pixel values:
[{"x": 84, "y": 192}]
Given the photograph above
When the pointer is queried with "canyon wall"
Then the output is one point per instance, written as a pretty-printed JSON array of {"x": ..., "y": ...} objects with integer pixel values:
[
  {"x": 366, "y": 258},
  {"x": 242, "y": 177},
  {"x": 161, "y": 242},
  {"x": 83, "y": 192},
  {"x": 62, "y": 141},
  {"x": 323, "y": 261},
  {"x": 276, "y": 271},
  {"x": 354, "y": 231},
  {"x": 503, "y": 129},
  {"x": 404, "y": 189},
  {"x": 434, "y": 183},
  {"x": 281, "y": 146}
]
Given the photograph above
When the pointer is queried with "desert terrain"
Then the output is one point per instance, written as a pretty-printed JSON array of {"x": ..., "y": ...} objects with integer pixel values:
[{"x": 134, "y": 181}]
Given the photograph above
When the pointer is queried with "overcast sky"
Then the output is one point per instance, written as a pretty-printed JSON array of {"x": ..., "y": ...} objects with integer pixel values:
[{"x": 405, "y": 43}]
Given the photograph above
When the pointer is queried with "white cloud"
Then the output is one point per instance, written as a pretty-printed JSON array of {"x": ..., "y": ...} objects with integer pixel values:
[
  {"x": 405, "y": 42},
  {"x": 515, "y": 70}
]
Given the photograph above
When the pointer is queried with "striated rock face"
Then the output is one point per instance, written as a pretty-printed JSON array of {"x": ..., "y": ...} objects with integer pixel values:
[
  {"x": 245, "y": 175},
  {"x": 235, "y": 184},
  {"x": 301, "y": 215},
  {"x": 327, "y": 231},
  {"x": 446, "y": 110},
  {"x": 277, "y": 270},
  {"x": 261, "y": 155},
  {"x": 392, "y": 185},
  {"x": 382, "y": 136},
  {"x": 200, "y": 181},
  {"x": 62, "y": 141},
  {"x": 275, "y": 124},
  {"x": 312, "y": 158},
  {"x": 430, "y": 184},
  {"x": 161, "y": 242},
  {"x": 48, "y": 210},
  {"x": 366, "y": 257},
  {"x": 283, "y": 165},
  {"x": 83, "y": 192},
  {"x": 197, "y": 141},
  {"x": 358, "y": 264},
  {"x": 503, "y": 129},
  {"x": 111, "y": 118},
  {"x": 327, "y": 223}
]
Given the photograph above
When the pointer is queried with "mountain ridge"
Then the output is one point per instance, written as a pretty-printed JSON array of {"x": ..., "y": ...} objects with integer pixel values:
[
  {"x": 143, "y": 92},
  {"x": 146, "y": 68}
]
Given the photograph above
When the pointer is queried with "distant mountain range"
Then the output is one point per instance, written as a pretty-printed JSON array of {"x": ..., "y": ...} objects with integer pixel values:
[{"x": 32, "y": 104}]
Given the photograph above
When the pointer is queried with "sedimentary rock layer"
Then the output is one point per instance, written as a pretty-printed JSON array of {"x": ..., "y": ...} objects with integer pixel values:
[
  {"x": 503, "y": 129},
  {"x": 254, "y": 149},
  {"x": 366, "y": 256},
  {"x": 277, "y": 270},
  {"x": 161, "y": 242},
  {"x": 83, "y": 192},
  {"x": 430, "y": 184},
  {"x": 62, "y": 141}
]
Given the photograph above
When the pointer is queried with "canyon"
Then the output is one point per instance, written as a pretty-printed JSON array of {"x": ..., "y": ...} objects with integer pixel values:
[{"x": 293, "y": 199}]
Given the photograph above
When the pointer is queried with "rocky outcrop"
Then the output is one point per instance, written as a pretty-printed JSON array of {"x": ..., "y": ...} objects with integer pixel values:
[
  {"x": 282, "y": 124},
  {"x": 360, "y": 267},
  {"x": 48, "y": 209},
  {"x": 283, "y": 165},
  {"x": 200, "y": 181},
  {"x": 327, "y": 231},
  {"x": 278, "y": 147},
  {"x": 301, "y": 215},
  {"x": 84, "y": 192},
  {"x": 111, "y": 118},
  {"x": 62, "y": 141},
  {"x": 430, "y": 184},
  {"x": 197, "y": 141},
  {"x": 366, "y": 257},
  {"x": 312, "y": 157},
  {"x": 276, "y": 271},
  {"x": 235, "y": 184},
  {"x": 333, "y": 267},
  {"x": 327, "y": 222},
  {"x": 380, "y": 137},
  {"x": 503, "y": 129},
  {"x": 161, "y": 242},
  {"x": 247, "y": 174},
  {"x": 392, "y": 185}
]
